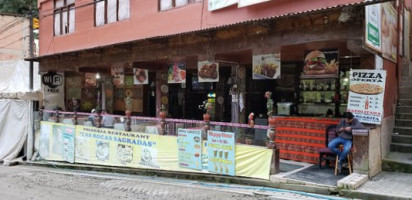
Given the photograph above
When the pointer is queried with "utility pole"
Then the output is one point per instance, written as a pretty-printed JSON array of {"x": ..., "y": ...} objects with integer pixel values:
[{"x": 30, "y": 135}]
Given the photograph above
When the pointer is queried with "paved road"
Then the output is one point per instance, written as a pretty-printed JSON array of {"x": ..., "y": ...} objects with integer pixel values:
[{"x": 32, "y": 183}]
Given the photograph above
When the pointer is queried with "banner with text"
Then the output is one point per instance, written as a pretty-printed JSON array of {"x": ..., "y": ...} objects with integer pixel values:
[
  {"x": 373, "y": 27},
  {"x": 221, "y": 152},
  {"x": 190, "y": 148},
  {"x": 367, "y": 89},
  {"x": 100, "y": 146}
]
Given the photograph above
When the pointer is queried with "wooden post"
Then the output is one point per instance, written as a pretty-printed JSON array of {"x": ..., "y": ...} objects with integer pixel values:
[{"x": 274, "y": 166}]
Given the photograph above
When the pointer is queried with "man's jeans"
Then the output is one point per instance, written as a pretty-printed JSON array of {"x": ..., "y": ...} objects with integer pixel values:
[{"x": 347, "y": 144}]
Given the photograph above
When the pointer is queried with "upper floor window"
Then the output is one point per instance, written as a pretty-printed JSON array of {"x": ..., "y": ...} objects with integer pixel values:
[
  {"x": 64, "y": 16},
  {"x": 169, "y": 4},
  {"x": 109, "y": 11}
]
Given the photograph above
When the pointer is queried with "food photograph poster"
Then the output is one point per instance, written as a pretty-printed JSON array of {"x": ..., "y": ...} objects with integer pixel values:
[
  {"x": 118, "y": 76},
  {"x": 389, "y": 24},
  {"x": 367, "y": 89},
  {"x": 321, "y": 64},
  {"x": 208, "y": 71},
  {"x": 177, "y": 73},
  {"x": 140, "y": 76},
  {"x": 266, "y": 66}
]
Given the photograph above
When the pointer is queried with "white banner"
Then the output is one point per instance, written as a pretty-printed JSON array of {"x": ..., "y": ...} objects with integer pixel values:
[
  {"x": 243, "y": 3},
  {"x": 219, "y": 4},
  {"x": 367, "y": 90}
]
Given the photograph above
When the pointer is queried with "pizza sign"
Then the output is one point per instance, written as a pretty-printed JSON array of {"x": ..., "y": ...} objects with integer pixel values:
[{"x": 366, "y": 93}]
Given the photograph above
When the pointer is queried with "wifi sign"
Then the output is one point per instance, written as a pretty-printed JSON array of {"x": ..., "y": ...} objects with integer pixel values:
[{"x": 52, "y": 79}]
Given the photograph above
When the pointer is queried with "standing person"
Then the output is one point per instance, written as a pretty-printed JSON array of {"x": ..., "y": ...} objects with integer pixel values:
[{"x": 344, "y": 130}]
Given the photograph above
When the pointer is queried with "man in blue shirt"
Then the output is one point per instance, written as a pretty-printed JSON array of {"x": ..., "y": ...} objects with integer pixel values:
[{"x": 344, "y": 130}]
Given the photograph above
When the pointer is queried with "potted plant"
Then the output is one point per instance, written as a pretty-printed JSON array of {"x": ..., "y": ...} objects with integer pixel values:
[{"x": 162, "y": 112}]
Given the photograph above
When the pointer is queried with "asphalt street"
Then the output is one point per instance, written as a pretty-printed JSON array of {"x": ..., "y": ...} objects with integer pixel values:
[{"x": 42, "y": 183}]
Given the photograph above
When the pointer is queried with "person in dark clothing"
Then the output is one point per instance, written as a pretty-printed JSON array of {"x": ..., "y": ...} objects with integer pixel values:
[{"x": 344, "y": 130}]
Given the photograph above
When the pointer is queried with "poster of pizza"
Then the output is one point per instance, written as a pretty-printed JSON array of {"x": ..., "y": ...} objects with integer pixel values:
[
  {"x": 366, "y": 94},
  {"x": 176, "y": 73},
  {"x": 140, "y": 76},
  {"x": 208, "y": 71},
  {"x": 321, "y": 64},
  {"x": 266, "y": 66},
  {"x": 118, "y": 76},
  {"x": 389, "y": 26}
]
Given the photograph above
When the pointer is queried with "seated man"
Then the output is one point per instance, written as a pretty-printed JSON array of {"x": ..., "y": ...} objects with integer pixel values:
[
  {"x": 344, "y": 130},
  {"x": 108, "y": 120}
]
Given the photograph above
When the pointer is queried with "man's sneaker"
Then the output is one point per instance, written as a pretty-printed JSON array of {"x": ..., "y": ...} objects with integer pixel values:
[{"x": 339, "y": 167}]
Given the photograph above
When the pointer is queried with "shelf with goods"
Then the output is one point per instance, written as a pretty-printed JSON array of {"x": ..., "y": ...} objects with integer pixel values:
[{"x": 317, "y": 96}]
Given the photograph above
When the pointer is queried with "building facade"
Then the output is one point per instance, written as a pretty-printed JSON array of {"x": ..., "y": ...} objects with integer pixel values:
[{"x": 169, "y": 40}]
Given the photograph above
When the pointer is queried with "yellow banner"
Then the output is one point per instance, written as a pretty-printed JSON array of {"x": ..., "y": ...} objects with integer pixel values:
[{"x": 111, "y": 147}]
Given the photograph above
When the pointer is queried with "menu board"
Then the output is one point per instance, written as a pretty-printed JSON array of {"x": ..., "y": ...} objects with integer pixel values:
[
  {"x": 266, "y": 66},
  {"x": 221, "y": 152},
  {"x": 321, "y": 64},
  {"x": 373, "y": 27},
  {"x": 176, "y": 73},
  {"x": 367, "y": 89},
  {"x": 190, "y": 148}
]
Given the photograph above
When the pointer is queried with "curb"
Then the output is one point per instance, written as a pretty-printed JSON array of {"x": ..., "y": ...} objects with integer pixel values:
[
  {"x": 287, "y": 185},
  {"x": 367, "y": 195}
]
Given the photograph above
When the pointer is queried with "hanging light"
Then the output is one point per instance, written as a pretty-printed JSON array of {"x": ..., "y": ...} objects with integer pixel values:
[{"x": 97, "y": 76}]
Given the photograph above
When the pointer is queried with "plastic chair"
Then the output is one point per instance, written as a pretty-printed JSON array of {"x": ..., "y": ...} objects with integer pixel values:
[{"x": 325, "y": 154}]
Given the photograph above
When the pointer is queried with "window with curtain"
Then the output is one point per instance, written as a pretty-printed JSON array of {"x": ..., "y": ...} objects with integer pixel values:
[
  {"x": 110, "y": 11},
  {"x": 64, "y": 17},
  {"x": 169, "y": 4}
]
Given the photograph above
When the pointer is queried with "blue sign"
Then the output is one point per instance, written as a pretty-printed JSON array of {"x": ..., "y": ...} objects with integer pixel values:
[
  {"x": 221, "y": 152},
  {"x": 190, "y": 148}
]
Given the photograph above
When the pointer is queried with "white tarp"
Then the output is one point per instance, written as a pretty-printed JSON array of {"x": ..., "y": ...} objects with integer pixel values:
[
  {"x": 15, "y": 124},
  {"x": 14, "y": 78}
]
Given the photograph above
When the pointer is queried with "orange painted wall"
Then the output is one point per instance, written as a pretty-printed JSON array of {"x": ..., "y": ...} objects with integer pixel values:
[{"x": 145, "y": 21}]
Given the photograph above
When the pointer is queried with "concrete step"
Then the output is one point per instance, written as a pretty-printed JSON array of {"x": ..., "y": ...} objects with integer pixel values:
[
  {"x": 403, "y": 116},
  {"x": 402, "y": 139},
  {"x": 403, "y": 122},
  {"x": 402, "y": 130},
  {"x": 405, "y": 95},
  {"x": 405, "y": 102},
  {"x": 406, "y": 78},
  {"x": 400, "y": 147},
  {"x": 397, "y": 162},
  {"x": 406, "y": 83},
  {"x": 405, "y": 89},
  {"x": 404, "y": 109}
]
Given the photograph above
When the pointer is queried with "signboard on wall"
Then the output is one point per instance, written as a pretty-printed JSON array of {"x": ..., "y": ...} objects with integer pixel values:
[
  {"x": 190, "y": 148},
  {"x": 321, "y": 64},
  {"x": 407, "y": 33},
  {"x": 266, "y": 66},
  {"x": 53, "y": 89},
  {"x": 243, "y": 3},
  {"x": 367, "y": 89},
  {"x": 373, "y": 27},
  {"x": 219, "y": 4},
  {"x": 389, "y": 25},
  {"x": 140, "y": 76}
]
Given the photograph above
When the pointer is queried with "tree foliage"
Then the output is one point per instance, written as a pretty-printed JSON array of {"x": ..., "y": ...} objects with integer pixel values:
[{"x": 21, "y": 7}]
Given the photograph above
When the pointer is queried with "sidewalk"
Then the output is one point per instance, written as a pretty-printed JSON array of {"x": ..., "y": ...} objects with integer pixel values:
[{"x": 386, "y": 185}]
